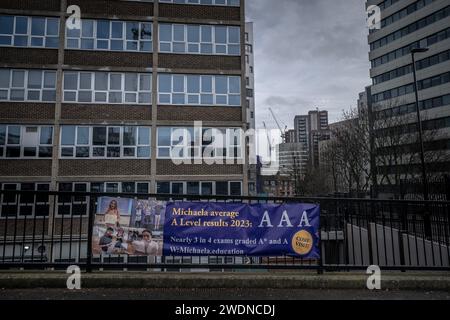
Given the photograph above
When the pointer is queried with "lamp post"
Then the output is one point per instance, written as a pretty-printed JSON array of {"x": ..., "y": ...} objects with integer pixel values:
[
  {"x": 419, "y": 123},
  {"x": 427, "y": 220}
]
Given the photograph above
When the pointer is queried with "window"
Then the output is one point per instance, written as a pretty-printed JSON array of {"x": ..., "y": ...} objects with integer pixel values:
[
  {"x": 27, "y": 85},
  {"x": 105, "y": 142},
  {"x": 111, "y": 35},
  {"x": 37, "y": 32},
  {"x": 220, "y": 188},
  {"x": 231, "y": 3},
  {"x": 199, "y": 39},
  {"x": 199, "y": 90},
  {"x": 72, "y": 205},
  {"x": 26, "y": 141},
  {"x": 25, "y": 205},
  {"x": 107, "y": 87},
  {"x": 184, "y": 143}
]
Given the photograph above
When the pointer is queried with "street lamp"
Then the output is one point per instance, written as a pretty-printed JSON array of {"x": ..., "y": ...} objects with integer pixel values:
[
  {"x": 427, "y": 220},
  {"x": 419, "y": 123}
]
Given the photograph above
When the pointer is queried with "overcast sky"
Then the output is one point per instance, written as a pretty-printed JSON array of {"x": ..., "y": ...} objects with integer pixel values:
[{"x": 308, "y": 54}]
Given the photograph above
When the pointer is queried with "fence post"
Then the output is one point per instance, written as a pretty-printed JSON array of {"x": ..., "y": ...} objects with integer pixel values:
[
  {"x": 91, "y": 217},
  {"x": 320, "y": 270}
]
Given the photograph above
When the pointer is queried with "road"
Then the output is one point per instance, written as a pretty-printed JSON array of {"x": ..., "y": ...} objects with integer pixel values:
[{"x": 217, "y": 294}]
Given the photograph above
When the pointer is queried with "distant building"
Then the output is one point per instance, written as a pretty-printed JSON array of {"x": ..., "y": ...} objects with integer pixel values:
[
  {"x": 309, "y": 131},
  {"x": 290, "y": 136}
]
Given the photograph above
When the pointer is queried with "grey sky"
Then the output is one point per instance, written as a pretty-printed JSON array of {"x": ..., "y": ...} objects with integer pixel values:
[{"x": 308, "y": 54}]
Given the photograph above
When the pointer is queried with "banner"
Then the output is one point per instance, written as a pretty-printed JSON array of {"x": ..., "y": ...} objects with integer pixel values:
[
  {"x": 196, "y": 229},
  {"x": 156, "y": 228}
]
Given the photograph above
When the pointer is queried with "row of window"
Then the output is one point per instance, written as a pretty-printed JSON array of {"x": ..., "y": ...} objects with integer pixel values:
[
  {"x": 105, "y": 142},
  {"x": 26, "y": 141},
  {"x": 121, "y": 142},
  {"x": 411, "y": 107},
  {"x": 119, "y": 88},
  {"x": 403, "y": 13},
  {"x": 231, "y": 3},
  {"x": 204, "y": 188},
  {"x": 205, "y": 143},
  {"x": 428, "y": 125},
  {"x": 199, "y": 89},
  {"x": 111, "y": 36},
  {"x": 387, "y": 3},
  {"x": 421, "y": 64},
  {"x": 422, "y": 23},
  {"x": 426, "y": 42},
  {"x": 37, "y": 205},
  {"x": 116, "y": 35},
  {"x": 27, "y": 85},
  {"x": 195, "y": 39},
  {"x": 409, "y": 88},
  {"x": 105, "y": 87},
  {"x": 19, "y": 31}
]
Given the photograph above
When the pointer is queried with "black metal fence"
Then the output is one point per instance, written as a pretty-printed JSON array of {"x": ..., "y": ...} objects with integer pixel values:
[{"x": 42, "y": 229}]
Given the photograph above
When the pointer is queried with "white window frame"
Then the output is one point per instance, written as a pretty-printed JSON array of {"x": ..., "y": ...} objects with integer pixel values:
[
  {"x": 91, "y": 145},
  {"x": 29, "y": 35},
  {"x": 18, "y": 203},
  {"x": 121, "y": 91},
  {"x": 213, "y": 42},
  {"x": 124, "y": 39},
  {"x": 215, "y": 95},
  {"x": 25, "y": 88},
  {"x": 21, "y": 145}
]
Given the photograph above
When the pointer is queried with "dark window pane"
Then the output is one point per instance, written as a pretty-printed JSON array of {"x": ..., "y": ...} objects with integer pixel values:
[
  {"x": 163, "y": 187},
  {"x": 235, "y": 189},
  {"x": 99, "y": 136},
  {"x": 222, "y": 188}
]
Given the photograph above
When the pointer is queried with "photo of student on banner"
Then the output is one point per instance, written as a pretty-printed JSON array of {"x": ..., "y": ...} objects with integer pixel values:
[{"x": 126, "y": 227}]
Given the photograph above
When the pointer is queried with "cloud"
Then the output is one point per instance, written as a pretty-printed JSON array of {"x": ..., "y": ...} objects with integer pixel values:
[{"x": 308, "y": 54}]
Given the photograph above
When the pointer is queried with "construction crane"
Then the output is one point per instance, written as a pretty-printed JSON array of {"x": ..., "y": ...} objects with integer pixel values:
[
  {"x": 268, "y": 139},
  {"x": 283, "y": 133}
]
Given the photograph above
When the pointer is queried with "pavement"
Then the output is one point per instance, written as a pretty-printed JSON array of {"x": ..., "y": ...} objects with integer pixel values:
[
  {"x": 208, "y": 294},
  {"x": 274, "y": 280}
]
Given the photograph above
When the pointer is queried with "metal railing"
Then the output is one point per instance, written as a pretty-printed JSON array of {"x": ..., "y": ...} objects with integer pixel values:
[{"x": 45, "y": 229}]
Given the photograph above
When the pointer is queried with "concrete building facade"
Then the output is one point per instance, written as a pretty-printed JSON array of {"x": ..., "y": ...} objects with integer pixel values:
[
  {"x": 104, "y": 107},
  {"x": 405, "y": 25}
]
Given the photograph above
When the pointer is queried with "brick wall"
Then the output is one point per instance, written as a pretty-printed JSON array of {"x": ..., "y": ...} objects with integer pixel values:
[
  {"x": 105, "y": 112},
  {"x": 17, "y": 226},
  {"x": 213, "y": 63},
  {"x": 111, "y": 59},
  {"x": 12, "y": 56},
  {"x": 167, "y": 167},
  {"x": 114, "y": 7},
  {"x": 199, "y": 12},
  {"x": 22, "y": 167},
  {"x": 120, "y": 167},
  {"x": 188, "y": 113},
  {"x": 43, "y": 5},
  {"x": 24, "y": 110}
]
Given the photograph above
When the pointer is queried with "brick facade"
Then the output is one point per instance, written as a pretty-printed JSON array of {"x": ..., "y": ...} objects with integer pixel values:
[
  {"x": 28, "y": 56},
  {"x": 112, "y": 59},
  {"x": 199, "y": 12},
  {"x": 100, "y": 113},
  {"x": 213, "y": 64},
  {"x": 20, "y": 111},
  {"x": 168, "y": 168},
  {"x": 114, "y": 7},
  {"x": 91, "y": 167},
  {"x": 184, "y": 113},
  {"x": 25, "y": 167},
  {"x": 47, "y": 5}
]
